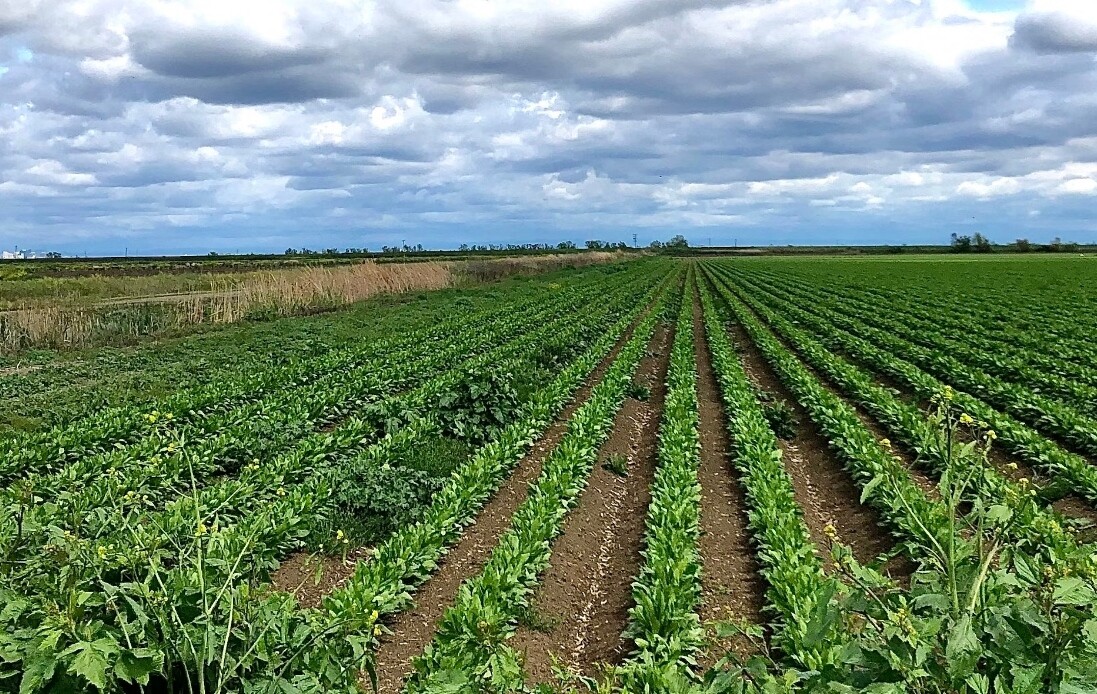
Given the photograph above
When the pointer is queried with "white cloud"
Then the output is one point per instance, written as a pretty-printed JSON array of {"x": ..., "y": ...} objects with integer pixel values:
[{"x": 578, "y": 115}]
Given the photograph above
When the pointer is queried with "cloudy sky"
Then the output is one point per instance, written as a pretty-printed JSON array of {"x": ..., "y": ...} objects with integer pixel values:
[{"x": 197, "y": 125}]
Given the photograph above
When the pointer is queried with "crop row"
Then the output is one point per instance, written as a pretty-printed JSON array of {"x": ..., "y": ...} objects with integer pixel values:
[
  {"x": 1040, "y": 530},
  {"x": 126, "y": 497},
  {"x": 226, "y": 554},
  {"x": 469, "y": 650},
  {"x": 884, "y": 481},
  {"x": 663, "y": 622},
  {"x": 1070, "y": 469},
  {"x": 1009, "y": 317},
  {"x": 1033, "y": 366},
  {"x": 249, "y": 398},
  {"x": 961, "y": 368},
  {"x": 796, "y": 587}
]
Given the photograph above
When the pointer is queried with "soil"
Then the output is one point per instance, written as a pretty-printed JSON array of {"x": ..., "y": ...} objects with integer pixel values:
[
  {"x": 731, "y": 584},
  {"x": 1010, "y": 466},
  {"x": 413, "y": 629},
  {"x": 580, "y": 608},
  {"x": 825, "y": 489},
  {"x": 311, "y": 577}
]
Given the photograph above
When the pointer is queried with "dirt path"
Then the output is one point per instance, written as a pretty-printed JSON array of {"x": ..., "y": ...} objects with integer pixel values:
[
  {"x": 414, "y": 628},
  {"x": 731, "y": 585},
  {"x": 824, "y": 487},
  {"x": 581, "y": 606}
]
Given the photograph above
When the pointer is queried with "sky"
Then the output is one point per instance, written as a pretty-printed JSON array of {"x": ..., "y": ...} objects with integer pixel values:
[{"x": 188, "y": 126}]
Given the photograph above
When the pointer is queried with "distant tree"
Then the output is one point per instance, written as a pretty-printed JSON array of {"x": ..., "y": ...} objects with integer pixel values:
[
  {"x": 331, "y": 251},
  {"x": 961, "y": 244},
  {"x": 594, "y": 245},
  {"x": 213, "y": 254},
  {"x": 1022, "y": 246},
  {"x": 53, "y": 255},
  {"x": 981, "y": 244},
  {"x": 566, "y": 246},
  {"x": 656, "y": 245},
  {"x": 894, "y": 250},
  {"x": 678, "y": 241}
]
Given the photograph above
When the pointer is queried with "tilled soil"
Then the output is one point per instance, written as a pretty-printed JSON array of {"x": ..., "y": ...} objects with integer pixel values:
[
  {"x": 581, "y": 606},
  {"x": 413, "y": 629},
  {"x": 311, "y": 577},
  {"x": 1010, "y": 466},
  {"x": 731, "y": 585},
  {"x": 825, "y": 489}
]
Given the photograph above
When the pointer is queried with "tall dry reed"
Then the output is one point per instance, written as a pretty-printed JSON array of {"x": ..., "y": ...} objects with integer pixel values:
[{"x": 277, "y": 293}]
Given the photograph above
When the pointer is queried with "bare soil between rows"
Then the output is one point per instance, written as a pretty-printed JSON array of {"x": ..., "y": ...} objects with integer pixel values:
[
  {"x": 732, "y": 587},
  {"x": 581, "y": 604},
  {"x": 824, "y": 487},
  {"x": 1010, "y": 466},
  {"x": 413, "y": 629}
]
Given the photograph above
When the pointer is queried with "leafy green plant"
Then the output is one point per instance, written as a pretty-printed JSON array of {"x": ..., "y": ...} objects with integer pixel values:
[
  {"x": 780, "y": 415},
  {"x": 639, "y": 391},
  {"x": 617, "y": 464},
  {"x": 372, "y": 501},
  {"x": 478, "y": 404}
]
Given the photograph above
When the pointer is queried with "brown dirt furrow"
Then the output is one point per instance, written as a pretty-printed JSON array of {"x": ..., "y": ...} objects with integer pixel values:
[
  {"x": 1010, "y": 466},
  {"x": 310, "y": 577},
  {"x": 413, "y": 629},
  {"x": 731, "y": 585},
  {"x": 580, "y": 608},
  {"x": 825, "y": 489}
]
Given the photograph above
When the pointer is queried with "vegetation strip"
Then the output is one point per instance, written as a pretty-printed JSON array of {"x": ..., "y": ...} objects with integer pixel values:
[
  {"x": 1041, "y": 530},
  {"x": 1015, "y": 437},
  {"x": 884, "y": 481},
  {"x": 410, "y": 631},
  {"x": 797, "y": 588},
  {"x": 731, "y": 584},
  {"x": 470, "y": 644},
  {"x": 663, "y": 623},
  {"x": 580, "y": 607}
]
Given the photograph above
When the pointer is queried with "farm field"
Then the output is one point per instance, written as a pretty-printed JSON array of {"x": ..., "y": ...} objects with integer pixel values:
[{"x": 716, "y": 476}]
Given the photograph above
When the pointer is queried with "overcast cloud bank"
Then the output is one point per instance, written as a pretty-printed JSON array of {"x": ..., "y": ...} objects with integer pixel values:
[{"x": 206, "y": 124}]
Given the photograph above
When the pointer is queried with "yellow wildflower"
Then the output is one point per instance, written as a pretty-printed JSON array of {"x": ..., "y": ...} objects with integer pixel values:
[
  {"x": 965, "y": 418},
  {"x": 202, "y": 530}
]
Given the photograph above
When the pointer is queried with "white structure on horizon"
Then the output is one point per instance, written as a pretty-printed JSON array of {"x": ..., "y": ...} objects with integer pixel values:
[{"x": 18, "y": 255}]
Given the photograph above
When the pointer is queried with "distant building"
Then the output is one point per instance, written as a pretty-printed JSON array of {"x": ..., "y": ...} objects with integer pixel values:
[{"x": 20, "y": 255}]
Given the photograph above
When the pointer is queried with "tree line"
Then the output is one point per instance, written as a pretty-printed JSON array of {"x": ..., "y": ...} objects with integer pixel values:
[{"x": 978, "y": 243}]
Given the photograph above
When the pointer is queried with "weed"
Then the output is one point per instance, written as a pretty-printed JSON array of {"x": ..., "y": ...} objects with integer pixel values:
[
  {"x": 639, "y": 391},
  {"x": 536, "y": 620},
  {"x": 617, "y": 464},
  {"x": 780, "y": 415}
]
